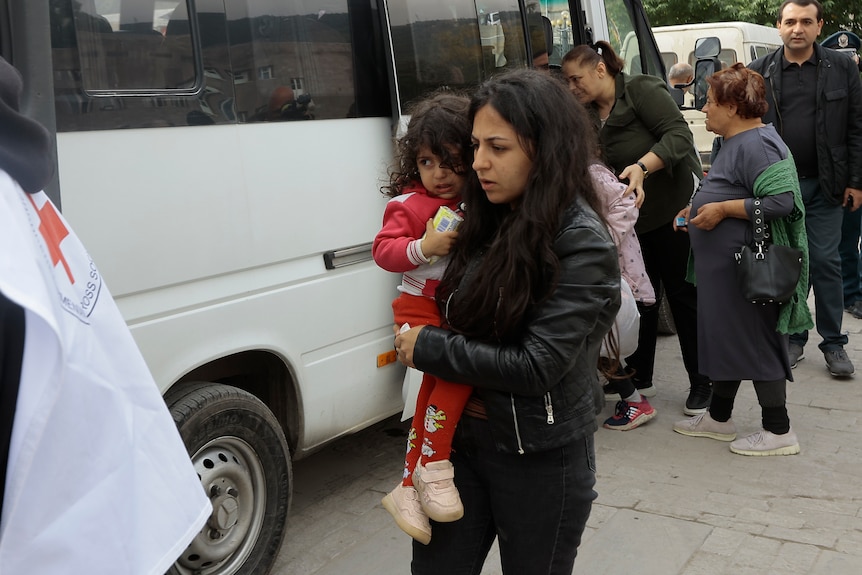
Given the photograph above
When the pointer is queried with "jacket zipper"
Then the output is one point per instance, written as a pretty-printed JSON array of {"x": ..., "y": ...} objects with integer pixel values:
[
  {"x": 517, "y": 430},
  {"x": 549, "y": 407}
]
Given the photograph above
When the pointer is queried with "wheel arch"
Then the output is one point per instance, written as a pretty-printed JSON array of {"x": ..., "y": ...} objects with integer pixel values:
[{"x": 263, "y": 374}]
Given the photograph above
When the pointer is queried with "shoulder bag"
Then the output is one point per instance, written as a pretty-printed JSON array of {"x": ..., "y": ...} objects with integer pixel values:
[{"x": 767, "y": 272}]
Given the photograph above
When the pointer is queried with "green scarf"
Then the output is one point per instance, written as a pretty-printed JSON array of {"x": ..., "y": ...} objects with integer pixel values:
[
  {"x": 780, "y": 177},
  {"x": 794, "y": 316}
]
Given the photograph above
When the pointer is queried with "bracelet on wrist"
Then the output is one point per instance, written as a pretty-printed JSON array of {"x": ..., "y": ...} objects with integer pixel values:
[{"x": 643, "y": 167}]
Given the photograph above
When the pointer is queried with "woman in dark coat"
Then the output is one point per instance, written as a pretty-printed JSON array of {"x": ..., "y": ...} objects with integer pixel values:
[{"x": 644, "y": 139}]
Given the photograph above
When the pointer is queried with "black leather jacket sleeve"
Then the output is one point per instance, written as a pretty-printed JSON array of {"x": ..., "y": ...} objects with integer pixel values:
[{"x": 562, "y": 335}]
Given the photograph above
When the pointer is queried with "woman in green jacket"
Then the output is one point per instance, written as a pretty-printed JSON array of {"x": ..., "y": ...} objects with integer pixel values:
[{"x": 645, "y": 140}]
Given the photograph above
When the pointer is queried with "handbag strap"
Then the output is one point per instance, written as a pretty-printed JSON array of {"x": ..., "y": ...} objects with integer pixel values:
[{"x": 758, "y": 222}]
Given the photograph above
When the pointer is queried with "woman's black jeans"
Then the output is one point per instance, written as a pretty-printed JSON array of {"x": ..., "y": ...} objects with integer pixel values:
[
  {"x": 536, "y": 504},
  {"x": 665, "y": 253}
]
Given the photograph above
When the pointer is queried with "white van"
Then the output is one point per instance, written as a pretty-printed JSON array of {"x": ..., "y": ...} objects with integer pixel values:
[{"x": 740, "y": 42}]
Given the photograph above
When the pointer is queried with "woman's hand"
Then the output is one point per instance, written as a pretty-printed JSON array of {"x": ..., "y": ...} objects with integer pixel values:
[
  {"x": 683, "y": 213},
  {"x": 404, "y": 344},
  {"x": 708, "y": 216},
  {"x": 635, "y": 175}
]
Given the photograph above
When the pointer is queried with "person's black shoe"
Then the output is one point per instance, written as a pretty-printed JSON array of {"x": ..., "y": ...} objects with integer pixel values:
[
  {"x": 855, "y": 310},
  {"x": 699, "y": 396},
  {"x": 838, "y": 363},
  {"x": 794, "y": 354}
]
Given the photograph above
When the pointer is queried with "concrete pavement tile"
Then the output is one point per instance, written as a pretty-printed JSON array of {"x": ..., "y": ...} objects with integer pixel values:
[
  {"x": 742, "y": 570},
  {"x": 756, "y": 552},
  {"x": 601, "y": 514},
  {"x": 737, "y": 501},
  {"x": 769, "y": 518},
  {"x": 850, "y": 542},
  {"x": 795, "y": 558},
  {"x": 641, "y": 534},
  {"x": 831, "y": 563},
  {"x": 704, "y": 563},
  {"x": 819, "y": 536},
  {"x": 724, "y": 542},
  {"x": 732, "y": 523},
  {"x": 377, "y": 554},
  {"x": 313, "y": 525},
  {"x": 306, "y": 552},
  {"x": 832, "y": 515}
]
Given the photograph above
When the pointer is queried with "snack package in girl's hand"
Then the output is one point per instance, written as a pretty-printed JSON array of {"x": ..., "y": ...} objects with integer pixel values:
[{"x": 445, "y": 220}]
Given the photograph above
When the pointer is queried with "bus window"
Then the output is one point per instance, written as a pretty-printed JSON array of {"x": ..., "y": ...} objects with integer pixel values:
[
  {"x": 629, "y": 35},
  {"x": 453, "y": 43},
  {"x": 727, "y": 57},
  {"x": 669, "y": 59},
  {"x": 146, "y": 63},
  {"x": 122, "y": 64},
  {"x": 292, "y": 60},
  {"x": 122, "y": 47}
]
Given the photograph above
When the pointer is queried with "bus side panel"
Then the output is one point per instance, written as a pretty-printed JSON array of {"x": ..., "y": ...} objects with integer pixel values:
[{"x": 209, "y": 213}]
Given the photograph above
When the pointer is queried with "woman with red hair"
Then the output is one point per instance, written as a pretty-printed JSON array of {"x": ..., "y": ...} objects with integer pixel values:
[{"x": 753, "y": 176}]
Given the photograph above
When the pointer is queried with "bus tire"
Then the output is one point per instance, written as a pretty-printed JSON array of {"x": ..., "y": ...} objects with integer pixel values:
[{"x": 239, "y": 451}]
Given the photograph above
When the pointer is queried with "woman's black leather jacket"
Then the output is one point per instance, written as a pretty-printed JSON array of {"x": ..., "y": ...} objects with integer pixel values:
[{"x": 542, "y": 392}]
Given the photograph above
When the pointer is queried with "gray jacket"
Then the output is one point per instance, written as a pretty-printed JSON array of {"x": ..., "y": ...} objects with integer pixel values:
[
  {"x": 838, "y": 119},
  {"x": 541, "y": 391}
]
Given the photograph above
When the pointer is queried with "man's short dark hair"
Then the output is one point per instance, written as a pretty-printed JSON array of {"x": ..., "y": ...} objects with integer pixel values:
[{"x": 801, "y": 3}]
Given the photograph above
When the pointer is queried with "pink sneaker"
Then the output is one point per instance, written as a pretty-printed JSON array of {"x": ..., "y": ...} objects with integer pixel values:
[
  {"x": 437, "y": 492},
  {"x": 630, "y": 414},
  {"x": 403, "y": 504}
]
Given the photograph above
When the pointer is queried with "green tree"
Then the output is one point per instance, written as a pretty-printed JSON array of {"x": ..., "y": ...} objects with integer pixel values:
[{"x": 837, "y": 14}]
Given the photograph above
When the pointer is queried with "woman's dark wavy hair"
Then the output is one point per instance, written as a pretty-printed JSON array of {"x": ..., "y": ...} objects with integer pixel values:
[
  {"x": 738, "y": 86},
  {"x": 439, "y": 122},
  {"x": 518, "y": 267}
]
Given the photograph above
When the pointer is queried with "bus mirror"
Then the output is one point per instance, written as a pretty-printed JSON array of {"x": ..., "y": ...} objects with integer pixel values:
[
  {"x": 708, "y": 47},
  {"x": 703, "y": 69}
]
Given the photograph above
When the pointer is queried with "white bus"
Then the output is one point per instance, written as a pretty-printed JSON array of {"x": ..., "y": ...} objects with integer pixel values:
[{"x": 221, "y": 160}]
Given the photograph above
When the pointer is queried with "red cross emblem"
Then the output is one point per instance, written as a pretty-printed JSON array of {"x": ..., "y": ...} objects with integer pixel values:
[{"x": 53, "y": 231}]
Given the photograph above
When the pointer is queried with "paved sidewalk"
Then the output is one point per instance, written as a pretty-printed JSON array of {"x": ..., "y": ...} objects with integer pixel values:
[{"x": 668, "y": 504}]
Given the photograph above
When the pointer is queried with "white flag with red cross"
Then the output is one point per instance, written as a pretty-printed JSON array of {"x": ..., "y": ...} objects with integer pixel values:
[{"x": 98, "y": 479}]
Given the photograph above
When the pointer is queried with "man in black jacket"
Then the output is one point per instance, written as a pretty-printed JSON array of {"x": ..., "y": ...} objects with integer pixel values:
[
  {"x": 851, "y": 228},
  {"x": 815, "y": 103}
]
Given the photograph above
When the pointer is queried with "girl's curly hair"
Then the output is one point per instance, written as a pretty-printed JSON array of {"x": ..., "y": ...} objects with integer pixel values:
[{"x": 439, "y": 122}]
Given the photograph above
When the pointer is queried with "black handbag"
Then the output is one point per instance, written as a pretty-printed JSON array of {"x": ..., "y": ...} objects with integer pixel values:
[{"x": 766, "y": 272}]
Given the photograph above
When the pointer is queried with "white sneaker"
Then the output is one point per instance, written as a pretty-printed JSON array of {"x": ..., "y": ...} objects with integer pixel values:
[
  {"x": 705, "y": 426},
  {"x": 766, "y": 443},
  {"x": 438, "y": 495},
  {"x": 403, "y": 504}
]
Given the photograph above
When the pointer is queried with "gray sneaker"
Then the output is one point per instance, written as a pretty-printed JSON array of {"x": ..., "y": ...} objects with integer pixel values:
[
  {"x": 705, "y": 426},
  {"x": 766, "y": 443},
  {"x": 838, "y": 363},
  {"x": 794, "y": 354}
]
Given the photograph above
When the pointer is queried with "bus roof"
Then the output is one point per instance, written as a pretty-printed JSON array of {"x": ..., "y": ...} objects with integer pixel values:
[{"x": 750, "y": 32}]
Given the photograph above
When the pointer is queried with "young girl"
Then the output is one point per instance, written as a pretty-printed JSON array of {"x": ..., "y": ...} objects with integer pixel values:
[
  {"x": 633, "y": 409},
  {"x": 531, "y": 290},
  {"x": 432, "y": 171}
]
